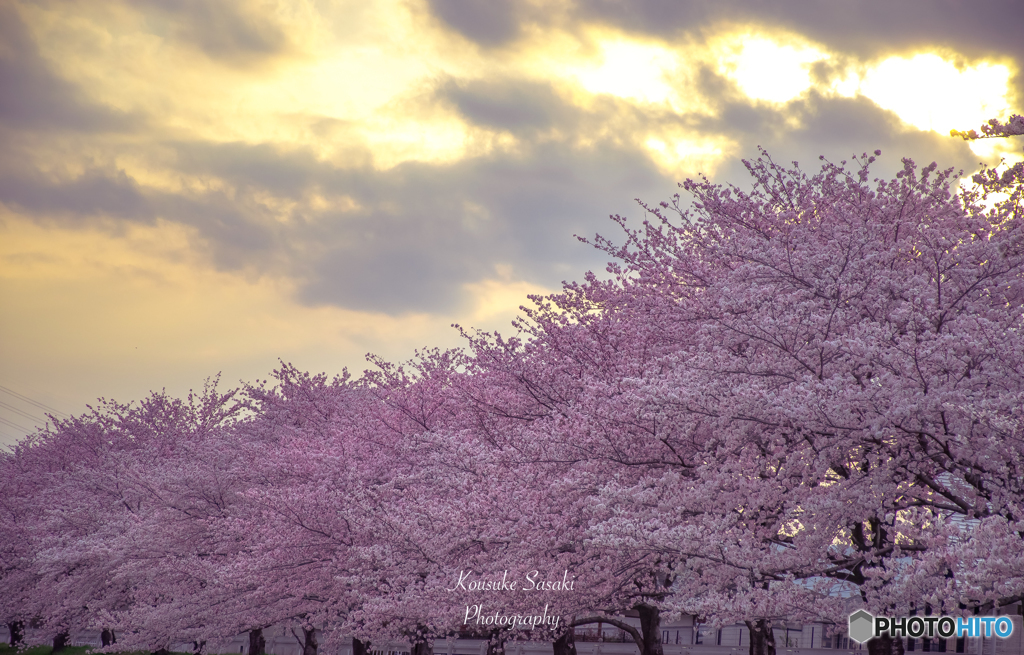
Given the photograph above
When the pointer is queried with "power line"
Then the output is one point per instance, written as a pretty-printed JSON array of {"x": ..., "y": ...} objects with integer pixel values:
[
  {"x": 18, "y": 411},
  {"x": 13, "y": 424},
  {"x": 34, "y": 402}
]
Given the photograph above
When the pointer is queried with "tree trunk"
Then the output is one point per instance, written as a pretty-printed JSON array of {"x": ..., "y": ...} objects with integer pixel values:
[
  {"x": 762, "y": 639},
  {"x": 257, "y": 644},
  {"x": 650, "y": 629},
  {"x": 198, "y": 647},
  {"x": 105, "y": 639},
  {"x": 566, "y": 643},
  {"x": 496, "y": 643},
  {"x": 422, "y": 648},
  {"x": 17, "y": 630},
  {"x": 310, "y": 644},
  {"x": 60, "y": 642},
  {"x": 885, "y": 645},
  {"x": 360, "y": 647}
]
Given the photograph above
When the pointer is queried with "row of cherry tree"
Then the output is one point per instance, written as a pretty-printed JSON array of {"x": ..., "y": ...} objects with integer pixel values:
[{"x": 786, "y": 402}]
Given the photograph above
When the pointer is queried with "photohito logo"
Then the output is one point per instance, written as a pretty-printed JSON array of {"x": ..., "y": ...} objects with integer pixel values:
[{"x": 864, "y": 626}]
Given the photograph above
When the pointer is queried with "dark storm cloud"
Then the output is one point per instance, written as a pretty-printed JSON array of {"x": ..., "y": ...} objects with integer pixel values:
[
  {"x": 238, "y": 234},
  {"x": 836, "y": 128},
  {"x": 865, "y": 29},
  {"x": 513, "y": 105},
  {"x": 94, "y": 193},
  {"x": 33, "y": 97},
  {"x": 421, "y": 231},
  {"x": 840, "y": 127},
  {"x": 237, "y": 230},
  {"x": 283, "y": 172},
  {"x": 424, "y": 230},
  {"x": 221, "y": 29},
  {"x": 394, "y": 276},
  {"x": 483, "y": 21},
  {"x": 417, "y": 233}
]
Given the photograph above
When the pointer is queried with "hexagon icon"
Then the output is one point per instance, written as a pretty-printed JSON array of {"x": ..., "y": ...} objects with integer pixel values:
[{"x": 861, "y": 626}]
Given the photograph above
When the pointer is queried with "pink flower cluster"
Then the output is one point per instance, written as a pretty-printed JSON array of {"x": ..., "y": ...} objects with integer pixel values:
[{"x": 994, "y": 128}]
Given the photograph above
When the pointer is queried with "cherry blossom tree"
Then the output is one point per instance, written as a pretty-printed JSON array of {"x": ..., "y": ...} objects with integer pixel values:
[
  {"x": 787, "y": 372},
  {"x": 764, "y": 374},
  {"x": 75, "y": 492},
  {"x": 248, "y": 524},
  {"x": 832, "y": 334},
  {"x": 61, "y": 504},
  {"x": 17, "y": 514},
  {"x": 779, "y": 402},
  {"x": 286, "y": 519},
  {"x": 1011, "y": 179}
]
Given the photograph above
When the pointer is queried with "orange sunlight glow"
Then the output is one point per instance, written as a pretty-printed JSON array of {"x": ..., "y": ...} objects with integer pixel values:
[
  {"x": 630, "y": 69},
  {"x": 931, "y": 93},
  {"x": 765, "y": 68}
]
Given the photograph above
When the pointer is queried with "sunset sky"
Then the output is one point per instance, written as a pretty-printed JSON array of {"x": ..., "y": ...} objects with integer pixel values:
[{"x": 190, "y": 187}]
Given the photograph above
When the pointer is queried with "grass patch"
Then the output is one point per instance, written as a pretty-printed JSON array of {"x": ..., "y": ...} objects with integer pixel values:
[{"x": 46, "y": 649}]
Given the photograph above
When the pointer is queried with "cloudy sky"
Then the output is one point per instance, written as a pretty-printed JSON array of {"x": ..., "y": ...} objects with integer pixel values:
[{"x": 190, "y": 187}]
